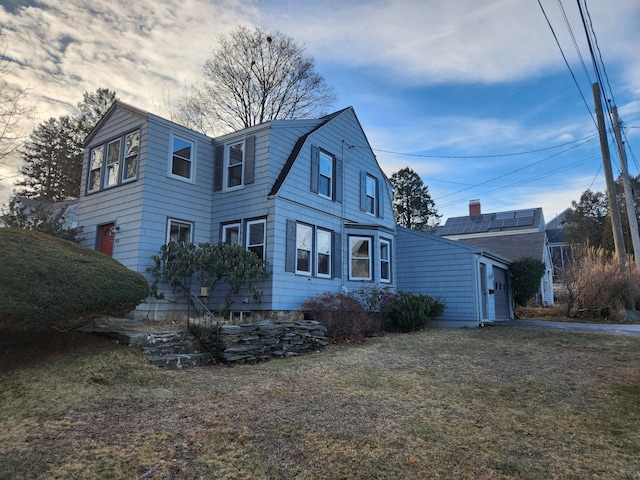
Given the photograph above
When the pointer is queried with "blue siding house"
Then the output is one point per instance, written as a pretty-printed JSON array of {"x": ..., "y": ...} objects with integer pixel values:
[{"x": 308, "y": 196}]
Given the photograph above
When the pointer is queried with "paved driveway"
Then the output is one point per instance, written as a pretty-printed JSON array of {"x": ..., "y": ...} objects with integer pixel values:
[{"x": 622, "y": 329}]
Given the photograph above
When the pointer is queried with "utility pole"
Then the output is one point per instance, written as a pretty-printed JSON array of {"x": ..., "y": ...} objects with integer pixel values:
[
  {"x": 628, "y": 191},
  {"x": 618, "y": 240}
]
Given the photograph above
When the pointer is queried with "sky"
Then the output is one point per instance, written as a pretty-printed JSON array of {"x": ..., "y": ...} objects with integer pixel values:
[{"x": 474, "y": 96}]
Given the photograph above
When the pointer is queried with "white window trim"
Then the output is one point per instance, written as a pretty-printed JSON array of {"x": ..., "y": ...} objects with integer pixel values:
[
  {"x": 105, "y": 180},
  {"x": 309, "y": 228},
  {"x": 369, "y": 241},
  {"x": 171, "y": 221},
  {"x": 322, "y": 154},
  {"x": 228, "y": 227},
  {"x": 375, "y": 187},
  {"x": 317, "y": 255},
  {"x": 264, "y": 236},
  {"x": 388, "y": 260},
  {"x": 227, "y": 149},
  {"x": 100, "y": 169},
  {"x": 192, "y": 169},
  {"x": 124, "y": 158}
]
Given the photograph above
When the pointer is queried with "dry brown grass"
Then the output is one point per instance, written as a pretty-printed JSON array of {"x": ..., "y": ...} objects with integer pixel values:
[{"x": 482, "y": 403}]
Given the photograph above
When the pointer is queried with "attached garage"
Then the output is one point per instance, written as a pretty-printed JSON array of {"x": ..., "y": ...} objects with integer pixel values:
[{"x": 472, "y": 281}]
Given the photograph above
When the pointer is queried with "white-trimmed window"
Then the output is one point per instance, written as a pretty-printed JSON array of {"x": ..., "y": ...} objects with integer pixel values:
[
  {"x": 96, "y": 162},
  {"x": 179, "y": 231},
  {"x": 325, "y": 175},
  {"x": 256, "y": 237},
  {"x": 303, "y": 248},
  {"x": 231, "y": 233},
  {"x": 371, "y": 190},
  {"x": 131, "y": 153},
  {"x": 360, "y": 258},
  {"x": 181, "y": 158},
  {"x": 385, "y": 261},
  {"x": 235, "y": 165},
  {"x": 323, "y": 253},
  {"x": 113, "y": 164}
]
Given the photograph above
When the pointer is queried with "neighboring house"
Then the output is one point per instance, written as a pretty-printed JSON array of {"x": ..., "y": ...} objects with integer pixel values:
[
  {"x": 308, "y": 196},
  {"x": 65, "y": 210},
  {"x": 560, "y": 251},
  {"x": 512, "y": 234},
  {"x": 473, "y": 282}
]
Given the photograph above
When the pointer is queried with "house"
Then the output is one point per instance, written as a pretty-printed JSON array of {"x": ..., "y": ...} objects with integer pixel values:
[
  {"x": 513, "y": 234},
  {"x": 560, "y": 251},
  {"x": 307, "y": 196},
  {"x": 473, "y": 282}
]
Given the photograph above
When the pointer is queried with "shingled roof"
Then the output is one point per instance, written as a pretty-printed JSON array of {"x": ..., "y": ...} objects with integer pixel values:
[{"x": 514, "y": 247}]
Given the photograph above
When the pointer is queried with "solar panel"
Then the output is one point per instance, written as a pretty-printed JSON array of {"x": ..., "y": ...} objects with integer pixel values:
[
  {"x": 525, "y": 213},
  {"x": 504, "y": 215},
  {"x": 523, "y": 222},
  {"x": 510, "y": 222}
]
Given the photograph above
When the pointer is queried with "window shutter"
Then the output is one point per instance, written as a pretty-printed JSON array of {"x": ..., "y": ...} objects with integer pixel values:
[
  {"x": 315, "y": 168},
  {"x": 250, "y": 159},
  {"x": 336, "y": 268},
  {"x": 363, "y": 191},
  {"x": 218, "y": 165},
  {"x": 290, "y": 255},
  {"x": 338, "y": 181}
]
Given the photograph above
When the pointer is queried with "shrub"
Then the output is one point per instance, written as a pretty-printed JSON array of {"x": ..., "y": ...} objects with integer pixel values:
[
  {"x": 46, "y": 281},
  {"x": 411, "y": 312},
  {"x": 526, "y": 275},
  {"x": 597, "y": 286},
  {"x": 377, "y": 303},
  {"x": 342, "y": 315}
]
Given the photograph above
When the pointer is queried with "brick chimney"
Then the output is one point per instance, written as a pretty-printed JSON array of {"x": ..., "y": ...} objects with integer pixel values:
[{"x": 474, "y": 208}]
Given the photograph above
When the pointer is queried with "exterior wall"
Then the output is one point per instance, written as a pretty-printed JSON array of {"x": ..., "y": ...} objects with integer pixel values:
[{"x": 437, "y": 267}]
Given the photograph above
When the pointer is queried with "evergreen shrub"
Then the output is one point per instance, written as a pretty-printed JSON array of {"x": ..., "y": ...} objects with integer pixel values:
[
  {"x": 50, "y": 282},
  {"x": 412, "y": 312}
]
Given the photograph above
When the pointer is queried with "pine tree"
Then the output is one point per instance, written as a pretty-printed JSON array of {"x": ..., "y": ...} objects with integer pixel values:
[{"x": 412, "y": 204}]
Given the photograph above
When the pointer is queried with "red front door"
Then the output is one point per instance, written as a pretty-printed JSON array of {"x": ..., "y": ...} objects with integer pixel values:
[{"x": 105, "y": 239}]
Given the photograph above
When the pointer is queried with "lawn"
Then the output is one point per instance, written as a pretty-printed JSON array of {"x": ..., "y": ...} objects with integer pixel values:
[{"x": 468, "y": 403}]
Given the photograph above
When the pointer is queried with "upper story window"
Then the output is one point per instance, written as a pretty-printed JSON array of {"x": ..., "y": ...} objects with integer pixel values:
[
  {"x": 96, "y": 161},
  {"x": 179, "y": 231},
  {"x": 256, "y": 237},
  {"x": 234, "y": 164},
  {"x": 385, "y": 261},
  {"x": 360, "y": 258},
  {"x": 371, "y": 194},
  {"x": 181, "y": 158},
  {"x": 370, "y": 198},
  {"x": 131, "y": 153},
  {"x": 326, "y": 174},
  {"x": 325, "y": 178},
  {"x": 114, "y": 162}
]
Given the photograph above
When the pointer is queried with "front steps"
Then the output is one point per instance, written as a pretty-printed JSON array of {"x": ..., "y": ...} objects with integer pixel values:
[{"x": 165, "y": 346}]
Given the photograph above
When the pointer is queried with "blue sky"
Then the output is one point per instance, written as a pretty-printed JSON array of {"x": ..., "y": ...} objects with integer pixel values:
[{"x": 431, "y": 81}]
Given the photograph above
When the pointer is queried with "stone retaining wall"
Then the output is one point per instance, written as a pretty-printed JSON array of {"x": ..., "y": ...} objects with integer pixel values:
[{"x": 265, "y": 340}]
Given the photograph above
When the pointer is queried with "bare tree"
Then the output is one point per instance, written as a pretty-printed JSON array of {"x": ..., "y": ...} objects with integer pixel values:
[
  {"x": 12, "y": 111},
  {"x": 254, "y": 76}
]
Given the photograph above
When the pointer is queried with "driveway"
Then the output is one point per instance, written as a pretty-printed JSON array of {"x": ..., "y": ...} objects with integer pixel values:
[{"x": 619, "y": 328}]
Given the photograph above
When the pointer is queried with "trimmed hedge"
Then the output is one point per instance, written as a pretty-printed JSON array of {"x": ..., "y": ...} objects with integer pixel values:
[{"x": 46, "y": 281}]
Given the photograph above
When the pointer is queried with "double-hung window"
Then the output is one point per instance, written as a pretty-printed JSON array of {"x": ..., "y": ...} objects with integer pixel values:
[
  {"x": 131, "y": 152},
  {"x": 360, "y": 258},
  {"x": 181, "y": 158},
  {"x": 231, "y": 233},
  {"x": 235, "y": 164},
  {"x": 385, "y": 261},
  {"x": 325, "y": 175},
  {"x": 323, "y": 253},
  {"x": 371, "y": 194},
  {"x": 179, "y": 231},
  {"x": 256, "y": 237},
  {"x": 95, "y": 168},
  {"x": 303, "y": 249},
  {"x": 113, "y": 163}
]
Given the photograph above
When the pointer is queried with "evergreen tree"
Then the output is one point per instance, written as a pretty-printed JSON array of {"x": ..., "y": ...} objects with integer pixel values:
[
  {"x": 52, "y": 158},
  {"x": 413, "y": 206}
]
